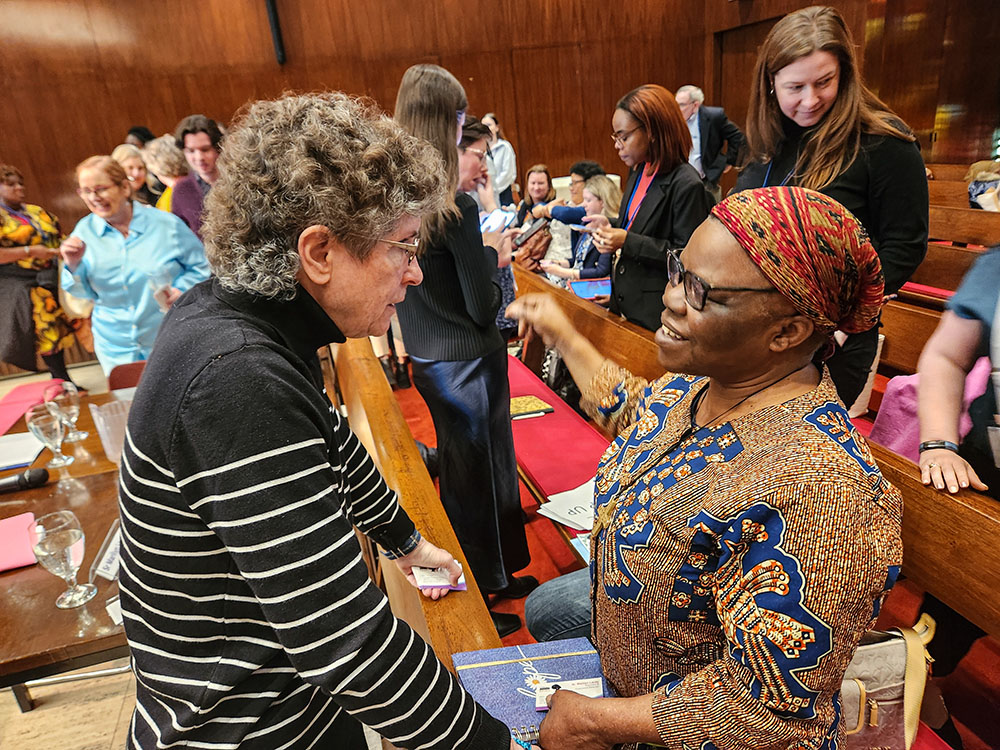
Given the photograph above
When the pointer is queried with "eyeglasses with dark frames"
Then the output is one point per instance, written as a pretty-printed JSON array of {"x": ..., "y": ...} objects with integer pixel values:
[
  {"x": 621, "y": 136},
  {"x": 696, "y": 289}
]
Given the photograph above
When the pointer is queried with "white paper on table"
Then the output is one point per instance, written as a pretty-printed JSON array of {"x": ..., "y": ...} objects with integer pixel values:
[
  {"x": 573, "y": 508},
  {"x": 18, "y": 449}
]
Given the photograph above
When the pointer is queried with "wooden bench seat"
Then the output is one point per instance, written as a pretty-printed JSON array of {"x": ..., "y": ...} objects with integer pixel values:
[
  {"x": 460, "y": 621},
  {"x": 949, "y": 541}
]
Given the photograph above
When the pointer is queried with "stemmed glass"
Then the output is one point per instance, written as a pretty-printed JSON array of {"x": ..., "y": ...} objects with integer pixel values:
[
  {"x": 58, "y": 543},
  {"x": 66, "y": 405},
  {"x": 49, "y": 429}
]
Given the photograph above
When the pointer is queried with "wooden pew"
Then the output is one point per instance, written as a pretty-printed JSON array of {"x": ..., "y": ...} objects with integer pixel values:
[
  {"x": 950, "y": 193},
  {"x": 969, "y": 225},
  {"x": 949, "y": 541},
  {"x": 945, "y": 266},
  {"x": 460, "y": 621},
  {"x": 949, "y": 172}
]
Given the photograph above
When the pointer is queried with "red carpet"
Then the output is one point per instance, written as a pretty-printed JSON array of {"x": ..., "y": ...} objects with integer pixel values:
[{"x": 972, "y": 691}]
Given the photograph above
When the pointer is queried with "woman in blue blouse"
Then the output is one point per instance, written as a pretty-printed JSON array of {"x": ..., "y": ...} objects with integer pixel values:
[
  {"x": 601, "y": 197},
  {"x": 132, "y": 260}
]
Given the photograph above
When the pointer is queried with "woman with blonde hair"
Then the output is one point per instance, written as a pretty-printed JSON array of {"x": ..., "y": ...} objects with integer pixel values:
[
  {"x": 601, "y": 196},
  {"x": 134, "y": 165},
  {"x": 458, "y": 355},
  {"x": 131, "y": 259},
  {"x": 168, "y": 164},
  {"x": 812, "y": 122}
]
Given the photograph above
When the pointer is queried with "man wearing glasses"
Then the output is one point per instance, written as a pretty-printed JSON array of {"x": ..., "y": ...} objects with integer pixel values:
[
  {"x": 710, "y": 131},
  {"x": 248, "y": 608}
]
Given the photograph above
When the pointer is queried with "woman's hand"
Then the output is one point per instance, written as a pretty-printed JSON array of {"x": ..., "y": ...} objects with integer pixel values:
[
  {"x": 540, "y": 211},
  {"x": 42, "y": 252},
  {"x": 558, "y": 268},
  {"x": 426, "y": 555},
  {"x": 171, "y": 295},
  {"x": 542, "y": 314},
  {"x": 609, "y": 239},
  {"x": 944, "y": 468},
  {"x": 502, "y": 243},
  {"x": 72, "y": 250},
  {"x": 596, "y": 221},
  {"x": 569, "y": 724},
  {"x": 604, "y": 300}
]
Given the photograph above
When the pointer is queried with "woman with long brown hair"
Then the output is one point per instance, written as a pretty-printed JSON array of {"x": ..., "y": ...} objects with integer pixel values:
[
  {"x": 664, "y": 201},
  {"x": 812, "y": 122},
  {"x": 458, "y": 355}
]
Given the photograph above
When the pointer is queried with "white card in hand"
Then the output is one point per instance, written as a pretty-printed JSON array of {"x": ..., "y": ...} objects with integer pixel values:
[
  {"x": 437, "y": 578},
  {"x": 592, "y": 687}
]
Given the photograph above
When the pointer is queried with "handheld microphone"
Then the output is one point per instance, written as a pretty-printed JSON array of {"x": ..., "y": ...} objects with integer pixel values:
[{"x": 26, "y": 480}]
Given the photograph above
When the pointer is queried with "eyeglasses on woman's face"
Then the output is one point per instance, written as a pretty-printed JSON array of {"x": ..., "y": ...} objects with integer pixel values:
[
  {"x": 696, "y": 289},
  {"x": 477, "y": 152},
  {"x": 620, "y": 137},
  {"x": 410, "y": 248},
  {"x": 100, "y": 191}
]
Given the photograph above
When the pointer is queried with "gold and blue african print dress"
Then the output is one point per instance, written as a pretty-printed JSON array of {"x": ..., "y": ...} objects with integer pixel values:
[{"x": 735, "y": 570}]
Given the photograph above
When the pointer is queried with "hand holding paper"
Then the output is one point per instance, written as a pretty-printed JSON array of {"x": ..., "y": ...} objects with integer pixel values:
[{"x": 426, "y": 555}]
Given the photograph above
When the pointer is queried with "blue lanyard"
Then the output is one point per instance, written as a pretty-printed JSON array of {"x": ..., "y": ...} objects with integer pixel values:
[
  {"x": 638, "y": 179},
  {"x": 767, "y": 175}
]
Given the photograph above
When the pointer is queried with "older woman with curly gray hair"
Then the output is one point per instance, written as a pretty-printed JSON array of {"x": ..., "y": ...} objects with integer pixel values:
[{"x": 240, "y": 485}]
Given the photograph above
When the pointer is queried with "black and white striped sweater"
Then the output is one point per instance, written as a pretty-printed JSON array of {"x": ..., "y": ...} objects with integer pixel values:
[{"x": 248, "y": 609}]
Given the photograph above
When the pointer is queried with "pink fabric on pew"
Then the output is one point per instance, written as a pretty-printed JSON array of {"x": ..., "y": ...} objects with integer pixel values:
[
  {"x": 20, "y": 399},
  {"x": 930, "y": 291},
  {"x": 896, "y": 425},
  {"x": 558, "y": 451}
]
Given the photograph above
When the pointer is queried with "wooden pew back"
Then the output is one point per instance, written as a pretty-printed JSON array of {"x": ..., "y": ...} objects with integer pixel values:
[
  {"x": 949, "y": 541},
  {"x": 951, "y": 193},
  {"x": 949, "y": 172},
  {"x": 460, "y": 621},
  {"x": 970, "y": 225}
]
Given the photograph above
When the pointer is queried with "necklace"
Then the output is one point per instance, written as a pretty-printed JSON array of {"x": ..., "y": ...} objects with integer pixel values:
[{"x": 607, "y": 511}]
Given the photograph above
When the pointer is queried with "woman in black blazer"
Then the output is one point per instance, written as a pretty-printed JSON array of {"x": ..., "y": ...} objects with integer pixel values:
[{"x": 663, "y": 202}]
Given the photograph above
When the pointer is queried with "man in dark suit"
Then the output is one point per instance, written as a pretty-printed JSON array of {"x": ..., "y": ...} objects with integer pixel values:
[{"x": 710, "y": 129}]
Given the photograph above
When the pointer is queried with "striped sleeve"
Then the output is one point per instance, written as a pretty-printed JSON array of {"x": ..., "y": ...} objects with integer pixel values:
[{"x": 279, "y": 491}]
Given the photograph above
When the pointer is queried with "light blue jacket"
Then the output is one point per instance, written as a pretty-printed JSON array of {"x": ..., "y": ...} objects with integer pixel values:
[{"x": 114, "y": 273}]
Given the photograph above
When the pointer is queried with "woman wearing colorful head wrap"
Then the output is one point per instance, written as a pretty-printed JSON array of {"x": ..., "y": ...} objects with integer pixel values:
[
  {"x": 744, "y": 536},
  {"x": 812, "y": 122}
]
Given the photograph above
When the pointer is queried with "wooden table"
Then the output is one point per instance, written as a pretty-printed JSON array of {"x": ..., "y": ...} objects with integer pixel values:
[
  {"x": 36, "y": 638},
  {"x": 89, "y": 453}
]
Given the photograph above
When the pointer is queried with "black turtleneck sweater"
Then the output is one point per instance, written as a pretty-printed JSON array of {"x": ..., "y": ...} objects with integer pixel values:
[
  {"x": 248, "y": 607},
  {"x": 885, "y": 187}
]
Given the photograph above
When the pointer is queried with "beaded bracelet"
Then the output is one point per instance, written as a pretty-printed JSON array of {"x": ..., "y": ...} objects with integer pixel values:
[{"x": 930, "y": 445}]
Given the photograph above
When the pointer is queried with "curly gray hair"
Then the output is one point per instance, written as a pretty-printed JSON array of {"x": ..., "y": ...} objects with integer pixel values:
[{"x": 303, "y": 160}]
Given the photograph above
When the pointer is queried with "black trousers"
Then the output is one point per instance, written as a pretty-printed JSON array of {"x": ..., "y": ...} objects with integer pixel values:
[{"x": 469, "y": 401}]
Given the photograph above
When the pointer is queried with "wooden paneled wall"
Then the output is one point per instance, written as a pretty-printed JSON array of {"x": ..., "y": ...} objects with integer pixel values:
[{"x": 77, "y": 74}]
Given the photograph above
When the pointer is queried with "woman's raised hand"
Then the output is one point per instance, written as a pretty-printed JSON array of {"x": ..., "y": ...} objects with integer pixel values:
[{"x": 72, "y": 250}]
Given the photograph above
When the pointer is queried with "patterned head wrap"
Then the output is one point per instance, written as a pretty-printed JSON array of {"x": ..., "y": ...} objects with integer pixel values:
[{"x": 814, "y": 252}]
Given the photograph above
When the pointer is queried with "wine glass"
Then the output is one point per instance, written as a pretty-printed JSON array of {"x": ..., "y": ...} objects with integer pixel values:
[
  {"x": 49, "y": 429},
  {"x": 58, "y": 543},
  {"x": 65, "y": 404}
]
